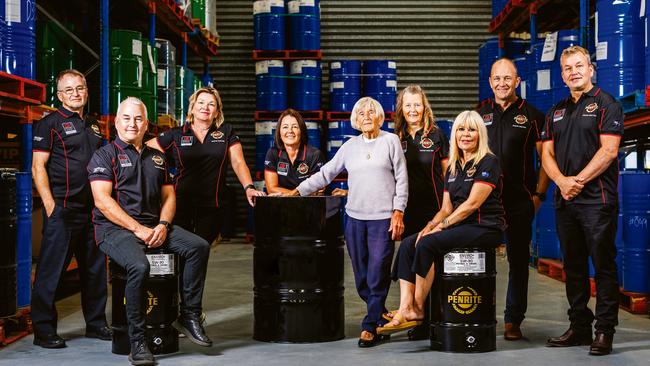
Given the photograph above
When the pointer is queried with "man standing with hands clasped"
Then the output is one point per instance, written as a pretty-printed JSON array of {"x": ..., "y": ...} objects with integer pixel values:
[{"x": 581, "y": 141}]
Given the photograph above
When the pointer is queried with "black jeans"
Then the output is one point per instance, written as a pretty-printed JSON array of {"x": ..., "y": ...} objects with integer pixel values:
[
  {"x": 518, "y": 235},
  {"x": 123, "y": 247},
  {"x": 589, "y": 230},
  {"x": 66, "y": 232}
]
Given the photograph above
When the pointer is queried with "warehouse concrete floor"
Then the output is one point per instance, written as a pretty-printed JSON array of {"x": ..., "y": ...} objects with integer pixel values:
[{"x": 229, "y": 308}]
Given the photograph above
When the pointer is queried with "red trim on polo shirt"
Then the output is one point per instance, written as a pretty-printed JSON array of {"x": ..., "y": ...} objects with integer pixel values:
[
  {"x": 67, "y": 178},
  {"x": 484, "y": 182}
]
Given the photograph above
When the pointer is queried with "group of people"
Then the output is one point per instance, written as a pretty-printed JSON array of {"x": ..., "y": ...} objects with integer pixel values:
[{"x": 476, "y": 189}]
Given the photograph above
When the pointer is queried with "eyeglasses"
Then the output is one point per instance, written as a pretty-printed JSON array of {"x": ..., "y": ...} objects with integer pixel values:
[{"x": 69, "y": 91}]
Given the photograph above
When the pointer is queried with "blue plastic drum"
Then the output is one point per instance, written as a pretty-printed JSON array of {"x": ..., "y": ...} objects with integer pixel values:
[
  {"x": 271, "y": 83},
  {"x": 264, "y": 132},
  {"x": 314, "y": 133},
  {"x": 305, "y": 84},
  {"x": 380, "y": 82},
  {"x": 345, "y": 84},
  {"x": 548, "y": 243},
  {"x": 445, "y": 125},
  {"x": 24, "y": 239},
  {"x": 636, "y": 234},
  {"x": 269, "y": 25},
  {"x": 304, "y": 24},
  {"x": 18, "y": 39},
  {"x": 620, "y": 57}
]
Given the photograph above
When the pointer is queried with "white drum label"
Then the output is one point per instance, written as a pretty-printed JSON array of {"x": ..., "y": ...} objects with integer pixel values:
[
  {"x": 337, "y": 85},
  {"x": 335, "y": 65},
  {"x": 601, "y": 51},
  {"x": 391, "y": 84},
  {"x": 392, "y": 65},
  {"x": 261, "y": 67},
  {"x": 307, "y": 3},
  {"x": 333, "y": 125},
  {"x": 277, "y": 3},
  {"x": 543, "y": 79},
  {"x": 264, "y": 128},
  {"x": 294, "y": 7},
  {"x": 464, "y": 262},
  {"x": 335, "y": 143},
  {"x": 161, "y": 264},
  {"x": 261, "y": 7},
  {"x": 162, "y": 76},
  {"x": 136, "y": 47}
]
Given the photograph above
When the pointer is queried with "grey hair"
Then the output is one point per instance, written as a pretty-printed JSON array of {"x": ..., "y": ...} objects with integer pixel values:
[
  {"x": 132, "y": 100},
  {"x": 366, "y": 102}
]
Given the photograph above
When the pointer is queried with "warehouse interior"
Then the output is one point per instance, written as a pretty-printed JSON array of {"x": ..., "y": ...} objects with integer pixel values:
[{"x": 447, "y": 47}]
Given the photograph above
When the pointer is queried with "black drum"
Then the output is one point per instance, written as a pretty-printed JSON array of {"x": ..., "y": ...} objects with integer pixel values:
[
  {"x": 466, "y": 302},
  {"x": 298, "y": 270},
  {"x": 8, "y": 243},
  {"x": 161, "y": 304}
]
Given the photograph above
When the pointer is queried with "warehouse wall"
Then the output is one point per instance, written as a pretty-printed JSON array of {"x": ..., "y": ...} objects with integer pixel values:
[{"x": 435, "y": 44}]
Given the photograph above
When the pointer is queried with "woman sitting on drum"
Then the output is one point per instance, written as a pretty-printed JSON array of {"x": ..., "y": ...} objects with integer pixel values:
[{"x": 471, "y": 216}]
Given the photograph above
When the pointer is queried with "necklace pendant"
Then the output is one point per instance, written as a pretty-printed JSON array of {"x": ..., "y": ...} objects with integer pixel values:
[{"x": 368, "y": 156}]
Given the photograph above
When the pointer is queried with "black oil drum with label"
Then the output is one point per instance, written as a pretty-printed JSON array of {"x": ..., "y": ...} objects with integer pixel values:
[
  {"x": 161, "y": 304},
  {"x": 298, "y": 270},
  {"x": 8, "y": 243},
  {"x": 465, "y": 319}
]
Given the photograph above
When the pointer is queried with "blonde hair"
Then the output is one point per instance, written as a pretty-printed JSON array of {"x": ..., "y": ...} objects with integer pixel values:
[
  {"x": 428, "y": 118},
  {"x": 371, "y": 104},
  {"x": 573, "y": 50},
  {"x": 219, "y": 118},
  {"x": 468, "y": 119},
  {"x": 132, "y": 100}
]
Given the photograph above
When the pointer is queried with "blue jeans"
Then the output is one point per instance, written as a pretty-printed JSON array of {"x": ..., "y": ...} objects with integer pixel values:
[
  {"x": 371, "y": 251},
  {"x": 125, "y": 249}
]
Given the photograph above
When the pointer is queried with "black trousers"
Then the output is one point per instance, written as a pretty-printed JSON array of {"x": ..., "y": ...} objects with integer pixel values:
[
  {"x": 585, "y": 231},
  {"x": 205, "y": 222},
  {"x": 127, "y": 251},
  {"x": 519, "y": 217},
  {"x": 66, "y": 232}
]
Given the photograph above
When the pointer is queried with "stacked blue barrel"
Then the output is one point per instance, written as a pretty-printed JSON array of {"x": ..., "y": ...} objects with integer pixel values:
[
  {"x": 269, "y": 25},
  {"x": 380, "y": 82},
  {"x": 272, "y": 30},
  {"x": 271, "y": 84},
  {"x": 620, "y": 31},
  {"x": 305, "y": 85},
  {"x": 304, "y": 24},
  {"x": 18, "y": 38},
  {"x": 345, "y": 84},
  {"x": 636, "y": 234}
]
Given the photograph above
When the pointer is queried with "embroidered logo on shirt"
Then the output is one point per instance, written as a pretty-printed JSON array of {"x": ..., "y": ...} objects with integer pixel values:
[
  {"x": 99, "y": 170},
  {"x": 124, "y": 160},
  {"x": 485, "y": 174},
  {"x": 426, "y": 142},
  {"x": 521, "y": 119},
  {"x": 471, "y": 171},
  {"x": 95, "y": 129},
  {"x": 283, "y": 168},
  {"x": 158, "y": 160},
  {"x": 591, "y": 107},
  {"x": 452, "y": 178},
  {"x": 487, "y": 118},
  {"x": 186, "y": 140},
  {"x": 303, "y": 168},
  {"x": 38, "y": 138},
  {"x": 558, "y": 114},
  {"x": 217, "y": 135},
  {"x": 69, "y": 129}
]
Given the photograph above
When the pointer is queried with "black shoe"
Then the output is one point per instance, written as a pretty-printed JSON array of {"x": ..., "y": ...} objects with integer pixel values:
[
  {"x": 420, "y": 332},
  {"x": 377, "y": 339},
  {"x": 190, "y": 325},
  {"x": 602, "y": 344},
  {"x": 49, "y": 341},
  {"x": 140, "y": 354},
  {"x": 570, "y": 338},
  {"x": 104, "y": 333}
]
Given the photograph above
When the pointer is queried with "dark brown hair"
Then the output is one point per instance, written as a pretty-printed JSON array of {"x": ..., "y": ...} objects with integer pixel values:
[{"x": 301, "y": 123}]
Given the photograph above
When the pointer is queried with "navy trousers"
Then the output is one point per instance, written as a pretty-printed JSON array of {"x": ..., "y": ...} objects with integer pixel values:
[
  {"x": 371, "y": 251},
  {"x": 66, "y": 232}
]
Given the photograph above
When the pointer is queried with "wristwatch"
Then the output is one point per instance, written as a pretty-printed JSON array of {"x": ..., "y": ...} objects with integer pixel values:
[
  {"x": 541, "y": 196},
  {"x": 166, "y": 224},
  {"x": 250, "y": 186}
]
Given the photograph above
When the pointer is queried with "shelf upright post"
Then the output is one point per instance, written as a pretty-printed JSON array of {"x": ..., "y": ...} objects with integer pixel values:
[
  {"x": 206, "y": 72},
  {"x": 502, "y": 45},
  {"x": 585, "y": 11},
  {"x": 104, "y": 57},
  {"x": 533, "y": 24},
  {"x": 152, "y": 23},
  {"x": 184, "y": 50}
]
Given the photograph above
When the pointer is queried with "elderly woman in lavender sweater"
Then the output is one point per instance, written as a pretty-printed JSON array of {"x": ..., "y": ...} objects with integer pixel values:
[{"x": 378, "y": 192}]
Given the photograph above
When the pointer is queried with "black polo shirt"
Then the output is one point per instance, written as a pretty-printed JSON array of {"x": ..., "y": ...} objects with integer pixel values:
[
  {"x": 200, "y": 167},
  {"x": 575, "y": 129},
  {"x": 512, "y": 136},
  {"x": 137, "y": 178},
  {"x": 459, "y": 186},
  {"x": 71, "y": 142},
  {"x": 308, "y": 161},
  {"x": 423, "y": 154}
]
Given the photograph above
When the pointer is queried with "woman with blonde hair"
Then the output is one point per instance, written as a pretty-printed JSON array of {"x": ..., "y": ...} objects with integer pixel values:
[
  {"x": 471, "y": 216},
  {"x": 199, "y": 150},
  {"x": 377, "y": 197}
]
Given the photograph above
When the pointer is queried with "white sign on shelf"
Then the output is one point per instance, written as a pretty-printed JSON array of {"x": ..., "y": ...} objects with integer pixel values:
[
  {"x": 601, "y": 51},
  {"x": 136, "y": 47},
  {"x": 543, "y": 80},
  {"x": 550, "y": 47},
  {"x": 162, "y": 76}
]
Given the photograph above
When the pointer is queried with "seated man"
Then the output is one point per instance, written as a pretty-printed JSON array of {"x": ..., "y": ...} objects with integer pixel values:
[{"x": 134, "y": 204}]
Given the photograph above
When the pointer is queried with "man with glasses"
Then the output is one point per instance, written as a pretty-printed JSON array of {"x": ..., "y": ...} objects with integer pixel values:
[
  {"x": 581, "y": 141},
  {"x": 63, "y": 143},
  {"x": 514, "y": 129}
]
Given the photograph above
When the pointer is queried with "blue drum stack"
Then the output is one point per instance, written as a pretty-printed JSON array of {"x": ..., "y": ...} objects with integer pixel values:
[
  {"x": 304, "y": 24},
  {"x": 264, "y": 140},
  {"x": 636, "y": 233},
  {"x": 271, "y": 84},
  {"x": 380, "y": 82},
  {"x": 345, "y": 84},
  {"x": 269, "y": 25},
  {"x": 305, "y": 84},
  {"x": 18, "y": 37}
]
